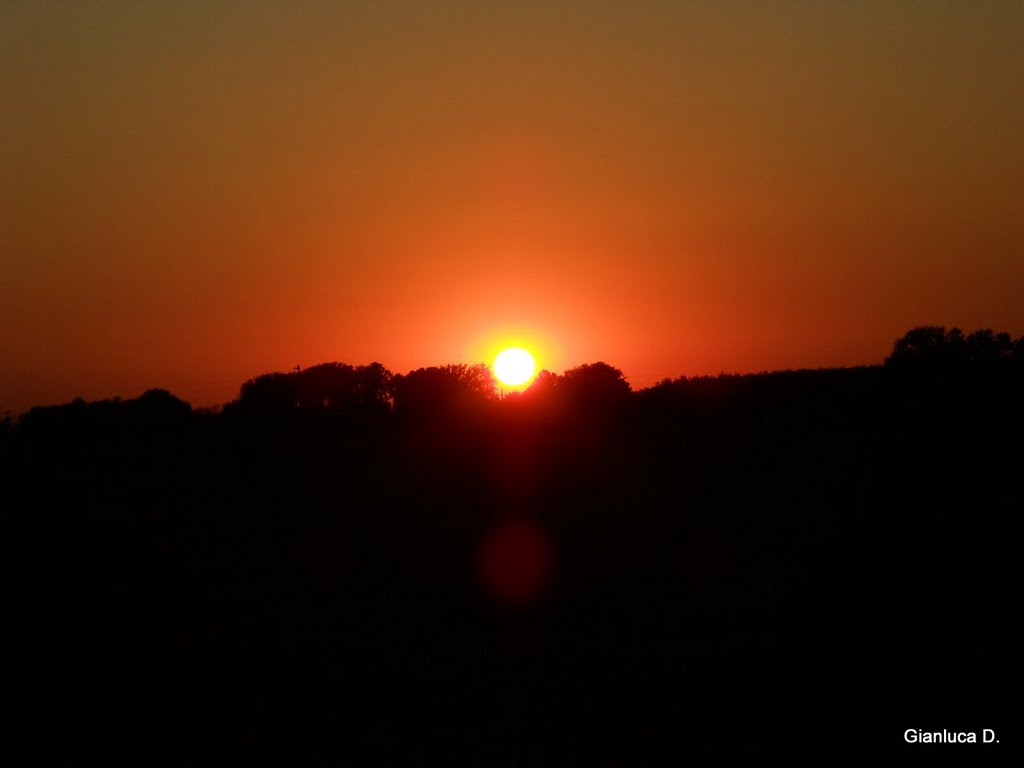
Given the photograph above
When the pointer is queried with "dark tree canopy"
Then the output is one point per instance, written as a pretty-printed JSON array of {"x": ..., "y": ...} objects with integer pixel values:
[
  {"x": 933, "y": 348},
  {"x": 333, "y": 386},
  {"x": 444, "y": 388},
  {"x": 594, "y": 385},
  {"x": 151, "y": 414},
  {"x": 543, "y": 386}
]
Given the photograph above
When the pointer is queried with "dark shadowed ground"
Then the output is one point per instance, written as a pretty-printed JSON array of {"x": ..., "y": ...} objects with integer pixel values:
[{"x": 795, "y": 563}]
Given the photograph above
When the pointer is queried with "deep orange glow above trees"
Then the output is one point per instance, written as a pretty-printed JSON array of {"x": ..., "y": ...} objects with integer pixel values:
[{"x": 192, "y": 196}]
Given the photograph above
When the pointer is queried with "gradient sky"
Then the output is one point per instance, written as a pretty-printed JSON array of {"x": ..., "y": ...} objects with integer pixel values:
[{"x": 195, "y": 193}]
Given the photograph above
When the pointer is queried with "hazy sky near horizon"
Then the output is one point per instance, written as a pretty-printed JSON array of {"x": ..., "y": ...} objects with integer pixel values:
[{"x": 195, "y": 193}]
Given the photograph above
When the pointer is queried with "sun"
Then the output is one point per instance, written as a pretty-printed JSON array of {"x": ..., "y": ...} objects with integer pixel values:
[{"x": 514, "y": 366}]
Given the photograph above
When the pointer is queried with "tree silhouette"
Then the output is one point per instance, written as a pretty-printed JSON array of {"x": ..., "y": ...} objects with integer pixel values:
[
  {"x": 927, "y": 346},
  {"x": 543, "y": 386},
  {"x": 933, "y": 348},
  {"x": 333, "y": 386},
  {"x": 988, "y": 349},
  {"x": 447, "y": 388},
  {"x": 158, "y": 405},
  {"x": 594, "y": 385}
]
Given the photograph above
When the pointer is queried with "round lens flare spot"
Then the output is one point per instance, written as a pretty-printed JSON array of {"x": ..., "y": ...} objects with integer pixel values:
[
  {"x": 514, "y": 366},
  {"x": 515, "y": 561}
]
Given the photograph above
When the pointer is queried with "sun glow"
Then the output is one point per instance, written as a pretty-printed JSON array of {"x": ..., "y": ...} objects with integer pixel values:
[{"x": 514, "y": 366}]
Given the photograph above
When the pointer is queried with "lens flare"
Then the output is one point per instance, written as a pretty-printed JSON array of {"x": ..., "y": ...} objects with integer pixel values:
[{"x": 515, "y": 561}]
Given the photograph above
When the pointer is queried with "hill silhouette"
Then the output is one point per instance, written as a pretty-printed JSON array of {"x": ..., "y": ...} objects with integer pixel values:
[{"x": 351, "y": 562}]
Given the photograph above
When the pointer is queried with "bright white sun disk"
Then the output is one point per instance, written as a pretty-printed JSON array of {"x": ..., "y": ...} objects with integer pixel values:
[{"x": 514, "y": 366}]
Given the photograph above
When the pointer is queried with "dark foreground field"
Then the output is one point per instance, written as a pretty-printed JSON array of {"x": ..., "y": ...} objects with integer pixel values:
[{"x": 787, "y": 563}]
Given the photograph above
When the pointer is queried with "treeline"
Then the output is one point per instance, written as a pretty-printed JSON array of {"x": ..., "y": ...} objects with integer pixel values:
[
  {"x": 424, "y": 391},
  {"x": 932, "y": 347},
  {"x": 728, "y": 555},
  {"x": 927, "y": 354}
]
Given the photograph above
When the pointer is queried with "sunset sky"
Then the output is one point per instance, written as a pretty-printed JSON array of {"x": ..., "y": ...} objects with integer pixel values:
[{"x": 192, "y": 193}]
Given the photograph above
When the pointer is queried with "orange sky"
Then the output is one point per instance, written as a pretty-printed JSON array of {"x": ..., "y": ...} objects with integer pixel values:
[{"x": 193, "y": 194}]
